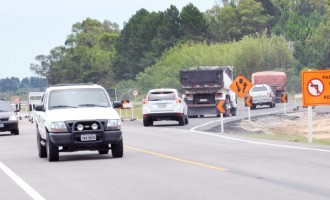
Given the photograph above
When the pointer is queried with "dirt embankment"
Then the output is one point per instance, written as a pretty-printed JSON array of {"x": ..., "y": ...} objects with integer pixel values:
[{"x": 292, "y": 123}]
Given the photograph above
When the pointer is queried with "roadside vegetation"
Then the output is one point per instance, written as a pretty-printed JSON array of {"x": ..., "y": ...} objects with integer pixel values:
[{"x": 151, "y": 48}]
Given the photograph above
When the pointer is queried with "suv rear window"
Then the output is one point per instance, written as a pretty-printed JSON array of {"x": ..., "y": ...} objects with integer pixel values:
[
  {"x": 156, "y": 96},
  {"x": 259, "y": 89}
]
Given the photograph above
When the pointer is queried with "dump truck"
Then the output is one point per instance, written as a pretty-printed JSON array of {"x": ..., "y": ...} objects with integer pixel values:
[
  {"x": 275, "y": 79},
  {"x": 203, "y": 87}
]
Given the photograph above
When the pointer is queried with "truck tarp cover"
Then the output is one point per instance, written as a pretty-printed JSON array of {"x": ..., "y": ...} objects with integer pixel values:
[
  {"x": 192, "y": 77},
  {"x": 269, "y": 77}
]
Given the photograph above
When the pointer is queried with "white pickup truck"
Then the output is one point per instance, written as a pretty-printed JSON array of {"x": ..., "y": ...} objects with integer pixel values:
[{"x": 77, "y": 117}]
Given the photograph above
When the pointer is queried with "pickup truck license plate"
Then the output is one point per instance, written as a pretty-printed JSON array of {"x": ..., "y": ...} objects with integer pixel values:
[
  {"x": 88, "y": 137},
  {"x": 1, "y": 126}
]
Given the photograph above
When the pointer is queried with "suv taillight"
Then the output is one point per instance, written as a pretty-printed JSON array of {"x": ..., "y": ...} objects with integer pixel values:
[
  {"x": 218, "y": 96},
  {"x": 177, "y": 100},
  {"x": 145, "y": 101}
]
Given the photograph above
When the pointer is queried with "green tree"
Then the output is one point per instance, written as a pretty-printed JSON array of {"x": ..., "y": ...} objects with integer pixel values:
[
  {"x": 193, "y": 23},
  {"x": 87, "y": 56},
  {"x": 134, "y": 42}
]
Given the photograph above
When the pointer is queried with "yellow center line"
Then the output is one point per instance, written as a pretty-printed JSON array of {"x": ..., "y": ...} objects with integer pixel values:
[{"x": 175, "y": 158}]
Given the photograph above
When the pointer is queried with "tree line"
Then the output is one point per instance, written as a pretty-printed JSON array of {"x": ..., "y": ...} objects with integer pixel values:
[{"x": 251, "y": 35}]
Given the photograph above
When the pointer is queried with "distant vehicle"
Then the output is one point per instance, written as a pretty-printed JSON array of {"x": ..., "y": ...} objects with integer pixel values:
[
  {"x": 75, "y": 118},
  {"x": 8, "y": 118},
  {"x": 204, "y": 87},
  {"x": 164, "y": 104},
  {"x": 276, "y": 80},
  {"x": 262, "y": 94},
  {"x": 34, "y": 100}
]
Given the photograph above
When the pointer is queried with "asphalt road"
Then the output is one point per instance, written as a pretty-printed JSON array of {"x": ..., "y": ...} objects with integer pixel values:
[{"x": 167, "y": 161}]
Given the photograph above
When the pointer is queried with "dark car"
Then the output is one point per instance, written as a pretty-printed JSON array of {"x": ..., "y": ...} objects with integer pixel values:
[{"x": 8, "y": 118}]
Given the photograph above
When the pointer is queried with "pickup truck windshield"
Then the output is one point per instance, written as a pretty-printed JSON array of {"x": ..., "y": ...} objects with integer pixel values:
[{"x": 77, "y": 98}]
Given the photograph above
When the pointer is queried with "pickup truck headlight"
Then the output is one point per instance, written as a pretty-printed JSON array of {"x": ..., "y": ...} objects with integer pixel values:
[
  {"x": 58, "y": 127},
  {"x": 114, "y": 124}
]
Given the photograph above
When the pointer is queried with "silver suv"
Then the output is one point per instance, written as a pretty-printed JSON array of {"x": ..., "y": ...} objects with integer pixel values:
[
  {"x": 164, "y": 104},
  {"x": 262, "y": 94},
  {"x": 77, "y": 117},
  {"x": 8, "y": 118}
]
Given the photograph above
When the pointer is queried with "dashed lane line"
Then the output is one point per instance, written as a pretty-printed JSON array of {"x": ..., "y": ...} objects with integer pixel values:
[{"x": 175, "y": 158}]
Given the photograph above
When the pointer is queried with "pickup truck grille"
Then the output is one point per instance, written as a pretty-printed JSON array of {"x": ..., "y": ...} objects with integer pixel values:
[{"x": 87, "y": 125}]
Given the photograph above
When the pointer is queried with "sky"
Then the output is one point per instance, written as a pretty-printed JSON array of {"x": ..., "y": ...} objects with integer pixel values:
[{"x": 34, "y": 27}]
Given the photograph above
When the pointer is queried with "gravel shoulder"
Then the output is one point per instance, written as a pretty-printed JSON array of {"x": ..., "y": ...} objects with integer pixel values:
[{"x": 295, "y": 124}]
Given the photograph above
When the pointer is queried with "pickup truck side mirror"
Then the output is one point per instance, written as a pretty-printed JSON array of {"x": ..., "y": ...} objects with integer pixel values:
[
  {"x": 117, "y": 104},
  {"x": 39, "y": 108}
]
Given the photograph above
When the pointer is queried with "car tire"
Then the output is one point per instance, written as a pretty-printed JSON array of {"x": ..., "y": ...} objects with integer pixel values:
[
  {"x": 103, "y": 151},
  {"x": 145, "y": 122},
  {"x": 186, "y": 121},
  {"x": 52, "y": 151},
  {"x": 182, "y": 121},
  {"x": 117, "y": 150},
  {"x": 42, "y": 151},
  {"x": 15, "y": 132}
]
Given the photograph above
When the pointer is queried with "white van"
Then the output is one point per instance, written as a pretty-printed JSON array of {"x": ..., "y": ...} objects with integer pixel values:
[{"x": 34, "y": 100}]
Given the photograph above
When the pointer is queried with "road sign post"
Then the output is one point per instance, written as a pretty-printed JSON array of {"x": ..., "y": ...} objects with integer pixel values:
[
  {"x": 284, "y": 99},
  {"x": 316, "y": 91},
  {"x": 241, "y": 86},
  {"x": 248, "y": 103},
  {"x": 222, "y": 109}
]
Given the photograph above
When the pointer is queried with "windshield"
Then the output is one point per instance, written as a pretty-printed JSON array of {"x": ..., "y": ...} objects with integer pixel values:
[
  {"x": 74, "y": 98},
  {"x": 5, "y": 107}
]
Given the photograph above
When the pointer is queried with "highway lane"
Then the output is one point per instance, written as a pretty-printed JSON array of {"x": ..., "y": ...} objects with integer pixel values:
[{"x": 168, "y": 161}]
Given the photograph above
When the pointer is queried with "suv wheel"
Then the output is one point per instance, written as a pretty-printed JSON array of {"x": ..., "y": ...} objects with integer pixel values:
[
  {"x": 182, "y": 121},
  {"x": 52, "y": 151},
  {"x": 145, "y": 122},
  {"x": 15, "y": 132},
  {"x": 41, "y": 148},
  {"x": 117, "y": 150},
  {"x": 186, "y": 121}
]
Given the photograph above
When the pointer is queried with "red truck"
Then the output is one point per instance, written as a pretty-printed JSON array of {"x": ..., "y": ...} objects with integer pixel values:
[{"x": 275, "y": 79}]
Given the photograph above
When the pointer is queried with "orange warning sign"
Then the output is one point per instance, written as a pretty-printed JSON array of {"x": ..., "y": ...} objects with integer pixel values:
[
  {"x": 248, "y": 101},
  {"x": 284, "y": 98},
  {"x": 316, "y": 87},
  {"x": 222, "y": 106},
  {"x": 241, "y": 86}
]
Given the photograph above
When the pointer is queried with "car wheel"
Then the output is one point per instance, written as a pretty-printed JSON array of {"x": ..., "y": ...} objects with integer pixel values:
[
  {"x": 117, "y": 150},
  {"x": 271, "y": 105},
  {"x": 41, "y": 148},
  {"x": 181, "y": 121},
  {"x": 103, "y": 151},
  {"x": 52, "y": 151},
  {"x": 186, "y": 121},
  {"x": 145, "y": 122},
  {"x": 201, "y": 116},
  {"x": 15, "y": 132}
]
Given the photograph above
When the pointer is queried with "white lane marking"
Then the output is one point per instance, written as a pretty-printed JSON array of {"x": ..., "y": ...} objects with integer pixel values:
[
  {"x": 28, "y": 189},
  {"x": 250, "y": 141}
]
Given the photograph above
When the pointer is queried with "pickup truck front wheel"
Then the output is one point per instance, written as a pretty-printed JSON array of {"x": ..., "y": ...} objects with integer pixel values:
[
  {"x": 52, "y": 150},
  {"x": 117, "y": 150}
]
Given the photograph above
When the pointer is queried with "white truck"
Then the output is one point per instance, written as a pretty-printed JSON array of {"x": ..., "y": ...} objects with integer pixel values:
[
  {"x": 204, "y": 87},
  {"x": 34, "y": 100},
  {"x": 75, "y": 118}
]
